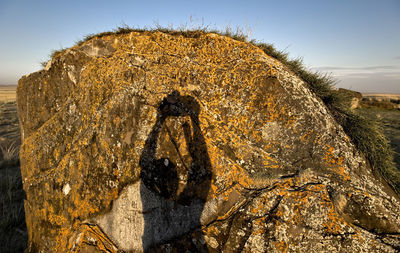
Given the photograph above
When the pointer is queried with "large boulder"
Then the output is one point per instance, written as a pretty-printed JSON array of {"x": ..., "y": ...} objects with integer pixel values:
[{"x": 148, "y": 141}]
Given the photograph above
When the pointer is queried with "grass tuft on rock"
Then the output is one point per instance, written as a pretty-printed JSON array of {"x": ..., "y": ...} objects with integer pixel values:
[{"x": 364, "y": 133}]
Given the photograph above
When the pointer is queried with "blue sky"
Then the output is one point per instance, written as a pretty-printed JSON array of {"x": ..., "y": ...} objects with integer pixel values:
[{"x": 358, "y": 42}]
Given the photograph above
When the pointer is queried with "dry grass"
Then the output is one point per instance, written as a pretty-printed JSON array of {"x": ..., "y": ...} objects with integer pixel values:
[
  {"x": 389, "y": 121},
  {"x": 13, "y": 235},
  {"x": 10, "y": 152}
]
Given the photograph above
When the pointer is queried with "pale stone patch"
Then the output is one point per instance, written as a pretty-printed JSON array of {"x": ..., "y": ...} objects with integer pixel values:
[
  {"x": 66, "y": 189},
  {"x": 70, "y": 72},
  {"x": 271, "y": 131}
]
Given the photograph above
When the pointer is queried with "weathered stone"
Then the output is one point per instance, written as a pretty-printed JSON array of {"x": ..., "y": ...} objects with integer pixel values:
[
  {"x": 354, "y": 98},
  {"x": 156, "y": 142}
]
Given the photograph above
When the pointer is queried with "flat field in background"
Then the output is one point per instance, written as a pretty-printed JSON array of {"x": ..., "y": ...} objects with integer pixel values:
[
  {"x": 7, "y": 93},
  {"x": 9, "y": 130},
  {"x": 382, "y": 95}
]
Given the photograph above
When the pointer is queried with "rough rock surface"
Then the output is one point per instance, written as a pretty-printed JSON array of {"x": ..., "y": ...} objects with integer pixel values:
[
  {"x": 354, "y": 97},
  {"x": 157, "y": 142}
]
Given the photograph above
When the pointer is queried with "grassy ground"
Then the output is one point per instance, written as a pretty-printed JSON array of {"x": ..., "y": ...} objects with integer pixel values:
[
  {"x": 389, "y": 121},
  {"x": 13, "y": 235}
]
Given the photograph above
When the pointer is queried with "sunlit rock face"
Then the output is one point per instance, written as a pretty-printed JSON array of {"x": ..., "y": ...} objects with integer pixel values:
[{"x": 157, "y": 142}]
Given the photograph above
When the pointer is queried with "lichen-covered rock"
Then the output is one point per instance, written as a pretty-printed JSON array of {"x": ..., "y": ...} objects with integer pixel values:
[{"x": 155, "y": 142}]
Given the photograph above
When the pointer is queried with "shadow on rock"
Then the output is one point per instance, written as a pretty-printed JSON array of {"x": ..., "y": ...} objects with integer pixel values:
[{"x": 176, "y": 175}]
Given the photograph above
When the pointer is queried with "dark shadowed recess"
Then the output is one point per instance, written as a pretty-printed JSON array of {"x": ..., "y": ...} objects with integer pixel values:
[{"x": 13, "y": 232}]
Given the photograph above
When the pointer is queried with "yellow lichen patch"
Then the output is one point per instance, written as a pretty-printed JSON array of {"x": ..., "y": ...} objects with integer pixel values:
[
  {"x": 270, "y": 162},
  {"x": 61, "y": 239},
  {"x": 307, "y": 135},
  {"x": 259, "y": 226},
  {"x": 58, "y": 220},
  {"x": 211, "y": 230},
  {"x": 334, "y": 224},
  {"x": 281, "y": 246},
  {"x": 335, "y": 163}
]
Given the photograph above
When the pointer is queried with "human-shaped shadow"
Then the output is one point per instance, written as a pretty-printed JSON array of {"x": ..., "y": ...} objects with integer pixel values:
[{"x": 172, "y": 206}]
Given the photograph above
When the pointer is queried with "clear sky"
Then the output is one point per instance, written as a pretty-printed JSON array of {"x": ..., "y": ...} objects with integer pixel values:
[{"x": 356, "y": 41}]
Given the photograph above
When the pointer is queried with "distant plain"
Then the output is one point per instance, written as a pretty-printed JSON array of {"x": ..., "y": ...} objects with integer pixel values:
[{"x": 7, "y": 93}]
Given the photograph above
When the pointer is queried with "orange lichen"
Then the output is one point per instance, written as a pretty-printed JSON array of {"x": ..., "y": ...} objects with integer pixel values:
[
  {"x": 281, "y": 246},
  {"x": 335, "y": 163},
  {"x": 307, "y": 135}
]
